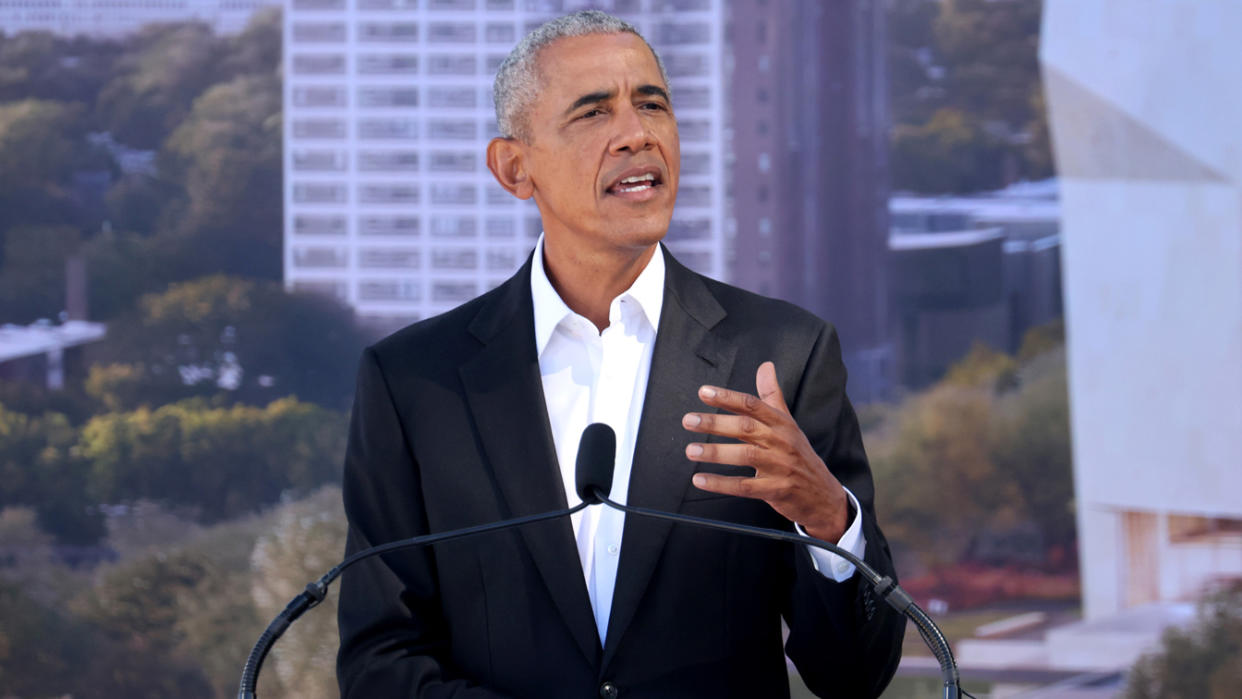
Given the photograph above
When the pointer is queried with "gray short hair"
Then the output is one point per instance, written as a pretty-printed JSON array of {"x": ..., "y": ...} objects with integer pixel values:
[{"x": 517, "y": 80}]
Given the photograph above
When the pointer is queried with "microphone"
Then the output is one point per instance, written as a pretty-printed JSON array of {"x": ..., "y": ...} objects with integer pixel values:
[
  {"x": 593, "y": 474},
  {"x": 597, "y": 455},
  {"x": 594, "y": 465}
]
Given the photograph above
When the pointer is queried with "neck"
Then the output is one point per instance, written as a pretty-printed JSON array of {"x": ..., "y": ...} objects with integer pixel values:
[{"x": 588, "y": 283}]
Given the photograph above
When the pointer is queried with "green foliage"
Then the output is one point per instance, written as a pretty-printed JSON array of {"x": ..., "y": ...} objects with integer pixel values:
[
  {"x": 39, "y": 469},
  {"x": 1202, "y": 661},
  {"x": 985, "y": 450},
  {"x": 951, "y": 152},
  {"x": 224, "y": 461},
  {"x": 32, "y": 274},
  {"x": 249, "y": 339},
  {"x": 227, "y": 155},
  {"x": 967, "y": 96}
]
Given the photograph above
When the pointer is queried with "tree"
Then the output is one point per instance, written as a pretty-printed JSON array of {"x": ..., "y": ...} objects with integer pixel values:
[
  {"x": 222, "y": 461},
  {"x": 249, "y": 340},
  {"x": 32, "y": 276},
  {"x": 156, "y": 81},
  {"x": 41, "y": 144},
  {"x": 39, "y": 469},
  {"x": 950, "y": 153},
  {"x": 41, "y": 65},
  {"x": 1204, "y": 660},
  {"x": 227, "y": 155}
]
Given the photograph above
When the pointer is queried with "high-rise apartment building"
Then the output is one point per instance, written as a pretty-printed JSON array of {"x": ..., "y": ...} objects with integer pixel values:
[
  {"x": 114, "y": 18},
  {"x": 810, "y": 179},
  {"x": 389, "y": 205}
]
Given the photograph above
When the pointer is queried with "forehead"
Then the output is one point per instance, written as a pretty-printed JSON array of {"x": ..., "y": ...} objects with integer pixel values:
[{"x": 580, "y": 64}]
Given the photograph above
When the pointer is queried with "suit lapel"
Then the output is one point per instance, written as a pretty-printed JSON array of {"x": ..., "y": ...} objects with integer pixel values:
[
  {"x": 686, "y": 356},
  {"x": 505, "y": 394}
]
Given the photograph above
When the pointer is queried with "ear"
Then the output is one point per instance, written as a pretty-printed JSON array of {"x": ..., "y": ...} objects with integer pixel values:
[{"x": 506, "y": 158}]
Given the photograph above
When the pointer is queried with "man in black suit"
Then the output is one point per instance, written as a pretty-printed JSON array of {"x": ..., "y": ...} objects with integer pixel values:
[{"x": 470, "y": 417}]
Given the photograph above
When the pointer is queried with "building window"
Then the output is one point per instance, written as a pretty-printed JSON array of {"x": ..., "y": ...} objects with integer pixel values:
[
  {"x": 450, "y": 161},
  {"x": 319, "y": 97},
  {"x": 450, "y": 4},
  {"x": 690, "y": 229},
  {"x": 693, "y": 97},
  {"x": 497, "y": 196},
  {"x": 388, "y": 96},
  {"x": 453, "y": 227},
  {"x": 502, "y": 260},
  {"x": 500, "y": 228},
  {"x": 694, "y": 195},
  {"x": 451, "y": 64},
  {"x": 389, "y": 290},
  {"x": 451, "y": 33},
  {"x": 683, "y": 33},
  {"x": 694, "y": 130},
  {"x": 388, "y": 32},
  {"x": 765, "y": 162},
  {"x": 500, "y": 33},
  {"x": 387, "y": 64},
  {"x": 318, "y": 258},
  {"x": 686, "y": 64},
  {"x": 399, "y": 193},
  {"x": 388, "y": 258},
  {"x": 451, "y": 129},
  {"x": 308, "y": 224},
  {"x": 389, "y": 225},
  {"x": 387, "y": 4},
  {"x": 388, "y": 161},
  {"x": 696, "y": 163},
  {"x": 318, "y": 64},
  {"x": 318, "y": 160},
  {"x": 318, "y": 4},
  {"x": 454, "y": 258},
  {"x": 387, "y": 129},
  {"x": 453, "y": 292},
  {"x": 320, "y": 193},
  {"x": 319, "y": 128},
  {"x": 453, "y": 194},
  {"x": 452, "y": 97},
  {"x": 500, "y": 4},
  {"x": 316, "y": 32}
]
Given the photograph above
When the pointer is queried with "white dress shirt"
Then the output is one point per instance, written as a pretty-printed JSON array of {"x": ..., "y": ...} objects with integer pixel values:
[{"x": 591, "y": 376}]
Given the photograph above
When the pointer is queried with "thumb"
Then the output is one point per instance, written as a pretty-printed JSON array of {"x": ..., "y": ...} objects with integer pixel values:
[{"x": 768, "y": 388}]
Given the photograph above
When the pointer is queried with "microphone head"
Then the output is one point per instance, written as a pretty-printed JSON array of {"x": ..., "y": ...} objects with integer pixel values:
[{"x": 597, "y": 454}]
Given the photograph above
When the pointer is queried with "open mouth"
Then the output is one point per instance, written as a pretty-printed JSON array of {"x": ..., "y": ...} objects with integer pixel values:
[{"x": 634, "y": 184}]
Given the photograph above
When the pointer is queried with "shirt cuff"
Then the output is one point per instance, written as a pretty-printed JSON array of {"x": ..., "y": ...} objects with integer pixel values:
[{"x": 830, "y": 565}]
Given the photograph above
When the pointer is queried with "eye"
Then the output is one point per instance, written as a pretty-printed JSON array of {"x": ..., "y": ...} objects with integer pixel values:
[
  {"x": 653, "y": 106},
  {"x": 590, "y": 113}
]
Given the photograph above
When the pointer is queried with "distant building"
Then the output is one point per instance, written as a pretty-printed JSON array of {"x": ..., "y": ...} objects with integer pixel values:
[
  {"x": 389, "y": 205},
  {"x": 809, "y": 115},
  {"x": 44, "y": 352},
  {"x": 977, "y": 268},
  {"x": 117, "y": 18}
]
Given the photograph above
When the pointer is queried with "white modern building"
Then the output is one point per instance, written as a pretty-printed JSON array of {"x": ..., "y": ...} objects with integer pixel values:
[
  {"x": 116, "y": 18},
  {"x": 1144, "y": 113},
  {"x": 389, "y": 205}
]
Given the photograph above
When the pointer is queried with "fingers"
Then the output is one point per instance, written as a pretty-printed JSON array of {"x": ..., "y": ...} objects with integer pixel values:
[{"x": 768, "y": 388}]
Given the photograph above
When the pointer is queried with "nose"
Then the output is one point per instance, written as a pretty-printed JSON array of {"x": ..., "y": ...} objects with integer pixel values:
[{"x": 631, "y": 132}]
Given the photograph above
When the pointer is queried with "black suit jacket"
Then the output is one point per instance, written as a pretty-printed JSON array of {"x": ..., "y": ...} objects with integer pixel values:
[{"x": 449, "y": 429}]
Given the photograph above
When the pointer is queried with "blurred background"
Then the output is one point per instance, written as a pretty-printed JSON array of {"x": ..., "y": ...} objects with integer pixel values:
[{"x": 1024, "y": 217}]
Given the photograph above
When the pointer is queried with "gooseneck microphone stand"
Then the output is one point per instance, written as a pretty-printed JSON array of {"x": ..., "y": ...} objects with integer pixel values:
[
  {"x": 318, "y": 590},
  {"x": 883, "y": 585}
]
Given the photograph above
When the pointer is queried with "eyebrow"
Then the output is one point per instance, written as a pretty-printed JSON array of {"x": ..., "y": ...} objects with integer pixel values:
[{"x": 605, "y": 95}]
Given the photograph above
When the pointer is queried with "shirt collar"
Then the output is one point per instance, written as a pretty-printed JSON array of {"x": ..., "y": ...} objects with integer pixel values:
[{"x": 647, "y": 290}]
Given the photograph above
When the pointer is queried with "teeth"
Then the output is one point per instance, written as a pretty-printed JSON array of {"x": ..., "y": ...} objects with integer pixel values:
[
  {"x": 639, "y": 188},
  {"x": 640, "y": 178}
]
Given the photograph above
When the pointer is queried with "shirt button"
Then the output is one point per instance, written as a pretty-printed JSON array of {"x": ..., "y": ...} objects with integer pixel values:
[
  {"x": 613, "y": 549},
  {"x": 842, "y": 567},
  {"x": 609, "y": 690}
]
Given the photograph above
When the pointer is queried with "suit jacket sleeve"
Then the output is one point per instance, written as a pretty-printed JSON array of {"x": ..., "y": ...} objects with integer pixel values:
[
  {"x": 394, "y": 640},
  {"x": 843, "y": 640}
]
